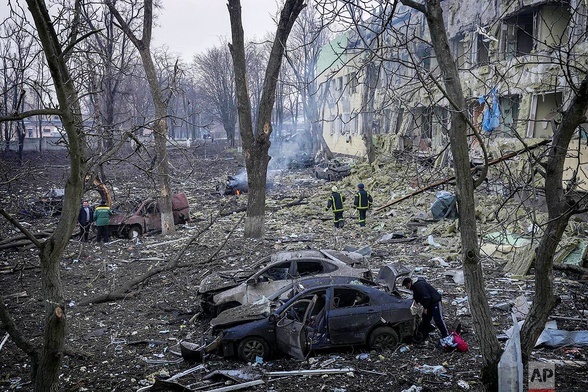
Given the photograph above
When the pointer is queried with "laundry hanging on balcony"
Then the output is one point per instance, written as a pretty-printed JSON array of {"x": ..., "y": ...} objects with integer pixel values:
[{"x": 491, "y": 118}]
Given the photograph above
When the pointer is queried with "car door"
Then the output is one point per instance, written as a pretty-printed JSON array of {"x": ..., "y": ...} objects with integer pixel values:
[
  {"x": 152, "y": 217},
  {"x": 351, "y": 316},
  {"x": 290, "y": 327}
]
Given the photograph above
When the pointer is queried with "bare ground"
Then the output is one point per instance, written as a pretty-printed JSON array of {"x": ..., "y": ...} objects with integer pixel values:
[{"x": 123, "y": 345}]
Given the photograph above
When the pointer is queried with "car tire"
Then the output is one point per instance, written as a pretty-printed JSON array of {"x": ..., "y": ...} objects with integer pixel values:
[
  {"x": 134, "y": 232},
  {"x": 252, "y": 347},
  {"x": 383, "y": 338}
]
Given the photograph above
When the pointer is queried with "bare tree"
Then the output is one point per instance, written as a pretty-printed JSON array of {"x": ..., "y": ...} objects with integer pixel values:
[
  {"x": 256, "y": 138},
  {"x": 46, "y": 362},
  {"x": 308, "y": 38},
  {"x": 17, "y": 56},
  {"x": 160, "y": 127},
  {"x": 217, "y": 81}
]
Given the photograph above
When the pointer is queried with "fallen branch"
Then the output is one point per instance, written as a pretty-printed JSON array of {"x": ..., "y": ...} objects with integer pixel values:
[
  {"x": 20, "y": 227},
  {"x": 16, "y": 335},
  {"x": 296, "y": 202},
  {"x": 571, "y": 268},
  {"x": 237, "y": 386},
  {"x": 125, "y": 291},
  {"x": 309, "y": 372},
  {"x": 491, "y": 163},
  {"x": 41, "y": 234},
  {"x": 4, "y": 340}
]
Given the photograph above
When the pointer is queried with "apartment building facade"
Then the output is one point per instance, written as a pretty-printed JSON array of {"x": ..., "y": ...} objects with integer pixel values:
[{"x": 517, "y": 60}]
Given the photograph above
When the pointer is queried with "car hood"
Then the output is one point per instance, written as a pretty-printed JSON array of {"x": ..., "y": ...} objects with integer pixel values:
[
  {"x": 242, "y": 314},
  {"x": 223, "y": 280}
]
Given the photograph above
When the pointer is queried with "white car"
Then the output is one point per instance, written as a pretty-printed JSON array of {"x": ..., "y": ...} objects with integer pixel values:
[{"x": 228, "y": 289}]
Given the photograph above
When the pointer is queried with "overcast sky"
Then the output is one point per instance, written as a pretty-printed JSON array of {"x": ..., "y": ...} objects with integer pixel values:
[{"x": 192, "y": 26}]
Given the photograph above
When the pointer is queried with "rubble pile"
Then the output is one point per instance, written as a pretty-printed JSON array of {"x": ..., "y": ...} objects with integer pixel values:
[{"x": 132, "y": 342}]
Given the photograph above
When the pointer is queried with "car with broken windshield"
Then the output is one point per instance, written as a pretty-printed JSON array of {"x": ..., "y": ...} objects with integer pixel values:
[
  {"x": 227, "y": 289},
  {"x": 324, "y": 317},
  {"x": 267, "y": 304}
]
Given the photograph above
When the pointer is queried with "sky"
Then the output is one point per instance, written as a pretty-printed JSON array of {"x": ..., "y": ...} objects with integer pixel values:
[{"x": 192, "y": 26}]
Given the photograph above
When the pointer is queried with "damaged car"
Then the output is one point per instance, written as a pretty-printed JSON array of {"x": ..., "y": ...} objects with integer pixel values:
[
  {"x": 227, "y": 289},
  {"x": 324, "y": 317},
  {"x": 146, "y": 217},
  {"x": 267, "y": 304},
  {"x": 387, "y": 280},
  {"x": 332, "y": 170}
]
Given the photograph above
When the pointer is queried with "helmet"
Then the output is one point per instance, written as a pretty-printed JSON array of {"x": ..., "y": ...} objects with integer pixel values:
[
  {"x": 360, "y": 185},
  {"x": 334, "y": 188}
]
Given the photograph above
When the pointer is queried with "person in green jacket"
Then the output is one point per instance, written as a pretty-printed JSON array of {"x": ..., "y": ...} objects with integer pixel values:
[{"x": 102, "y": 221}]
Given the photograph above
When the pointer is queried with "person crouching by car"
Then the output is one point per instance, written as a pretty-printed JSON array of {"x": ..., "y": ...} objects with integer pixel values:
[
  {"x": 426, "y": 295},
  {"x": 102, "y": 218}
]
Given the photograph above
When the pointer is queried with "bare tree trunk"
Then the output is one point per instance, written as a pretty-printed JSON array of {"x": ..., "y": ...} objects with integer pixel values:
[
  {"x": 160, "y": 130},
  {"x": 256, "y": 146},
  {"x": 51, "y": 251},
  {"x": 559, "y": 210},
  {"x": 368, "y": 111},
  {"x": 474, "y": 279}
]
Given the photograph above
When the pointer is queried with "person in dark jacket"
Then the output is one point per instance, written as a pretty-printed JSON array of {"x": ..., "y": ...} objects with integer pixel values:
[
  {"x": 363, "y": 201},
  {"x": 102, "y": 217},
  {"x": 336, "y": 203},
  {"x": 425, "y": 294},
  {"x": 85, "y": 219}
]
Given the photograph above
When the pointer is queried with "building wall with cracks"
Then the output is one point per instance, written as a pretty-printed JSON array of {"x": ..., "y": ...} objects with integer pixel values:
[{"x": 522, "y": 54}]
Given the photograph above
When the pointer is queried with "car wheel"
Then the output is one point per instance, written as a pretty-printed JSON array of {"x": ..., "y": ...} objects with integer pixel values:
[
  {"x": 383, "y": 338},
  {"x": 251, "y": 348},
  {"x": 134, "y": 232},
  {"x": 229, "y": 305}
]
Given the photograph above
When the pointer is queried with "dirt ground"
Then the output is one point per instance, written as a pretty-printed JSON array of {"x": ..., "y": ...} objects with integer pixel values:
[{"x": 123, "y": 345}]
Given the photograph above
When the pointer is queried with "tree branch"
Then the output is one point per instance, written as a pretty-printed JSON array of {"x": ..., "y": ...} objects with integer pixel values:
[{"x": 20, "y": 227}]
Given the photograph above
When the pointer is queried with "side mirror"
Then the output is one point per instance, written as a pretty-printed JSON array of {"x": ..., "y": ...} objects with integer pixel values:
[{"x": 251, "y": 282}]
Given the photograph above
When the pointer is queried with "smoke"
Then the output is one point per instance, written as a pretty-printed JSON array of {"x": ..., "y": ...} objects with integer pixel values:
[{"x": 292, "y": 152}]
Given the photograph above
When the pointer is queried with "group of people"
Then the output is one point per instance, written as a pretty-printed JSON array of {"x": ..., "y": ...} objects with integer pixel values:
[
  {"x": 423, "y": 293},
  {"x": 362, "y": 202},
  {"x": 99, "y": 216}
]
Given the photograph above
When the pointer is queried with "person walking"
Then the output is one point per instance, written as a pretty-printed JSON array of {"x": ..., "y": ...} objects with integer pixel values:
[
  {"x": 102, "y": 217},
  {"x": 335, "y": 202},
  {"x": 362, "y": 202},
  {"x": 85, "y": 219},
  {"x": 426, "y": 295}
]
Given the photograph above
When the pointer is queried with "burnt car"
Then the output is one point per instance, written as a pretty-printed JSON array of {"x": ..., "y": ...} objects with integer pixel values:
[
  {"x": 301, "y": 160},
  {"x": 146, "y": 217},
  {"x": 234, "y": 185},
  {"x": 227, "y": 289},
  {"x": 263, "y": 307},
  {"x": 332, "y": 170},
  {"x": 324, "y": 317}
]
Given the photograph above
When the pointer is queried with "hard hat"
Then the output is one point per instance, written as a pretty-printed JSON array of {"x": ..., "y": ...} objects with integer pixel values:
[
  {"x": 334, "y": 188},
  {"x": 360, "y": 185}
]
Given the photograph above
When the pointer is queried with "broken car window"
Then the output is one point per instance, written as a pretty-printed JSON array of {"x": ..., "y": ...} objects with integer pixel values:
[
  {"x": 277, "y": 272},
  {"x": 304, "y": 268},
  {"x": 348, "y": 297}
]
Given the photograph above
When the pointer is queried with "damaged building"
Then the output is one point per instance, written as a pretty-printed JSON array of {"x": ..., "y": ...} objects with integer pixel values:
[{"x": 515, "y": 58}]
